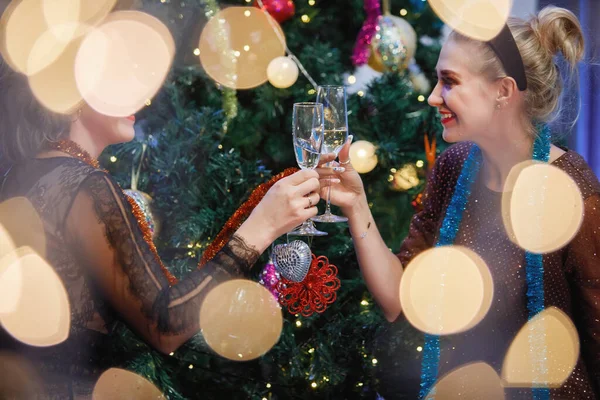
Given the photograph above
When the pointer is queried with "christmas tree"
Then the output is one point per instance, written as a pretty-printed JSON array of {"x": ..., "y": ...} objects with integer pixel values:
[{"x": 201, "y": 148}]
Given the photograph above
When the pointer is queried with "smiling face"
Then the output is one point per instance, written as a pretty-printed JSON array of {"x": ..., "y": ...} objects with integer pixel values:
[{"x": 465, "y": 98}]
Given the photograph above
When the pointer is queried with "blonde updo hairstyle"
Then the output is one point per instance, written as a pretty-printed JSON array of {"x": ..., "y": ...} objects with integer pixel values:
[{"x": 539, "y": 39}]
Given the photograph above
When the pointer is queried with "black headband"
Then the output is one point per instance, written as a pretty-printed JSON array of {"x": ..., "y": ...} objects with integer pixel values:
[{"x": 507, "y": 51}]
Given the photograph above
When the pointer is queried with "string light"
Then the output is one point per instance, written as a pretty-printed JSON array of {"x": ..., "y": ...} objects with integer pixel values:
[
  {"x": 326, "y": 379},
  {"x": 390, "y": 178},
  {"x": 403, "y": 12},
  {"x": 298, "y": 324},
  {"x": 352, "y": 79},
  {"x": 311, "y": 350},
  {"x": 220, "y": 147},
  {"x": 113, "y": 159},
  {"x": 246, "y": 48},
  {"x": 360, "y": 93},
  {"x": 311, "y": 2},
  {"x": 148, "y": 102},
  {"x": 305, "y": 18},
  {"x": 314, "y": 385},
  {"x": 197, "y": 51},
  {"x": 359, "y": 384},
  {"x": 247, "y": 13},
  {"x": 421, "y": 98},
  {"x": 312, "y": 91},
  {"x": 268, "y": 386},
  {"x": 420, "y": 164},
  {"x": 419, "y": 349},
  {"x": 171, "y": 353},
  {"x": 364, "y": 303},
  {"x": 393, "y": 170},
  {"x": 374, "y": 361},
  {"x": 191, "y": 366}
]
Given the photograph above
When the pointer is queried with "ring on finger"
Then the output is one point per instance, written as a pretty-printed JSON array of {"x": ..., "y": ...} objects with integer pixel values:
[
  {"x": 345, "y": 162},
  {"x": 310, "y": 203}
]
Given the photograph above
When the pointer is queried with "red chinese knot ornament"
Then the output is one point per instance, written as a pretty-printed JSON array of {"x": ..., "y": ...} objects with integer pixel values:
[
  {"x": 280, "y": 10},
  {"x": 315, "y": 292}
]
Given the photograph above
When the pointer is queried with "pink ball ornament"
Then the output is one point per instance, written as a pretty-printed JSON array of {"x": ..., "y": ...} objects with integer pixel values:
[{"x": 270, "y": 278}]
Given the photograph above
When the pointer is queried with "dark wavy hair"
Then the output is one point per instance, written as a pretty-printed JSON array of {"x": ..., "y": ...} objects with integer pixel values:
[{"x": 26, "y": 126}]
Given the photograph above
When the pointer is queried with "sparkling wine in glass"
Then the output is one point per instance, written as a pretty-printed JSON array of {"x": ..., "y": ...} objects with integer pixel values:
[
  {"x": 335, "y": 134},
  {"x": 307, "y": 130}
]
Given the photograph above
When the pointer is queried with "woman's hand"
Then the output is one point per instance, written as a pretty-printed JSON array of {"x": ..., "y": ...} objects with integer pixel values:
[
  {"x": 347, "y": 186},
  {"x": 290, "y": 202}
]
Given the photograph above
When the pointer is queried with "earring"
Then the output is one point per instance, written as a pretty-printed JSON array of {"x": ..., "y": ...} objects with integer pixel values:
[{"x": 497, "y": 106}]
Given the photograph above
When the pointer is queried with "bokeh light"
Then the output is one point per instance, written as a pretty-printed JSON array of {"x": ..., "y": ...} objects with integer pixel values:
[
  {"x": 20, "y": 225},
  {"x": 21, "y": 25},
  {"x": 55, "y": 85},
  {"x": 123, "y": 62},
  {"x": 240, "y": 320},
  {"x": 474, "y": 381},
  {"x": 34, "y": 33},
  {"x": 35, "y": 307},
  {"x": 446, "y": 290},
  {"x": 553, "y": 362},
  {"x": 120, "y": 384},
  {"x": 481, "y": 20},
  {"x": 542, "y": 207},
  {"x": 226, "y": 36}
]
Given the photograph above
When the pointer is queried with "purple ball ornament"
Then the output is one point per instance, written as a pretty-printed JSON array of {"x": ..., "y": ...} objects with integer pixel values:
[{"x": 270, "y": 278}]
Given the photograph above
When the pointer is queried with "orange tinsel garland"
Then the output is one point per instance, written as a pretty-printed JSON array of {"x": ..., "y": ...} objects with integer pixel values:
[{"x": 238, "y": 217}]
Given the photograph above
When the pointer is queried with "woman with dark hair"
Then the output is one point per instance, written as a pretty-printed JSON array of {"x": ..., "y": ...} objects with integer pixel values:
[
  {"x": 494, "y": 99},
  {"x": 96, "y": 245}
]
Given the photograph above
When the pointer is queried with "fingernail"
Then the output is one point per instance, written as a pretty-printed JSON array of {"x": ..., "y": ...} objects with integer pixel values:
[
  {"x": 350, "y": 137},
  {"x": 339, "y": 169},
  {"x": 335, "y": 181}
]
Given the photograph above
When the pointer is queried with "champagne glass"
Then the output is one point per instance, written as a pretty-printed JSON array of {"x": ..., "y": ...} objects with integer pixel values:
[
  {"x": 335, "y": 135},
  {"x": 307, "y": 130}
]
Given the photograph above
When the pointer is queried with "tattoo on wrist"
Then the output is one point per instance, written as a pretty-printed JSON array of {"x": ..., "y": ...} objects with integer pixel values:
[{"x": 364, "y": 234}]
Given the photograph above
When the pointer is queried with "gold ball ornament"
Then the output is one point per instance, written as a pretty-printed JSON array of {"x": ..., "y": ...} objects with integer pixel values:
[
  {"x": 405, "y": 178},
  {"x": 393, "y": 46},
  {"x": 363, "y": 157},
  {"x": 282, "y": 72},
  {"x": 144, "y": 201}
]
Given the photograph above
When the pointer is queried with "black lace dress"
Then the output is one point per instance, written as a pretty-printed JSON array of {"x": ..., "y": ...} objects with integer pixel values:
[{"x": 95, "y": 245}]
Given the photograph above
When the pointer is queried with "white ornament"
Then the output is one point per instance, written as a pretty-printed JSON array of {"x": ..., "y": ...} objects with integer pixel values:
[
  {"x": 418, "y": 79},
  {"x": 282, "y": 72},
  {"x": 363, "y": 157},
  {"x": 363, "y": 76}
]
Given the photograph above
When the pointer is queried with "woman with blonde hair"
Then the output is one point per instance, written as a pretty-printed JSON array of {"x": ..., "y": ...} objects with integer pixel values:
[{"x": 494, "y": 99}]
